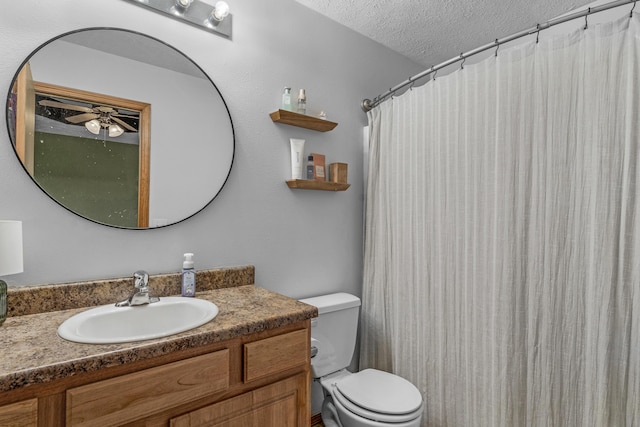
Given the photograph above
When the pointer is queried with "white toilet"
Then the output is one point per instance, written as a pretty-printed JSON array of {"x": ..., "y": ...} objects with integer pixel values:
[{"x": 369, "y": 398}]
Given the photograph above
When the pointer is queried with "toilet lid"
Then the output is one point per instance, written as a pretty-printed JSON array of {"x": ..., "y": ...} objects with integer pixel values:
[{"x": 380, "y": 392}]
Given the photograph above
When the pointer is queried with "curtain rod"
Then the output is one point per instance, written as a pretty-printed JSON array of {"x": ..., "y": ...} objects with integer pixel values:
[{"x": 368, "y": 104}]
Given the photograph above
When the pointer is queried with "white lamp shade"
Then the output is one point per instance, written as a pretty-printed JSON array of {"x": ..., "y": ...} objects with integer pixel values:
[
  {"x": 93, "y": 126},
  {"x": 115, "y": 131},
  {"x": 10, "y": 247}
]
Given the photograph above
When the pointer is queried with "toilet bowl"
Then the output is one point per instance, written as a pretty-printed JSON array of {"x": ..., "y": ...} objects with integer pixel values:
[{"x": 369, "y": 398}]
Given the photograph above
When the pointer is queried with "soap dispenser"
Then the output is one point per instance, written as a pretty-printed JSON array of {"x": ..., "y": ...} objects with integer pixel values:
[
  {"x": 188, "y": 276},
  {"x": 286, "y": 99}
]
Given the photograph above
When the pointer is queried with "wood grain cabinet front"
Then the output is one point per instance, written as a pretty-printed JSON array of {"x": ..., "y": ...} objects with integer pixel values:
[
  {"x": 124, "y": 399},
  {"x": 281, "y": 404},
  {"x": 20, "y": 414},
  {"x": 276, "y": 354}
]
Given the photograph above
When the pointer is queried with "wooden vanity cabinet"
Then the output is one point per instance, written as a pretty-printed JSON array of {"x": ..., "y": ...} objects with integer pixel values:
[
  {"x": 279, "y": 404},
  {"x": 262, "y": 379}
]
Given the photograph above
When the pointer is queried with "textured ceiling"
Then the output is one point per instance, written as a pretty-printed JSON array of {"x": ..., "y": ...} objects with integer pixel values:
[{"x": 433, "y": 31}]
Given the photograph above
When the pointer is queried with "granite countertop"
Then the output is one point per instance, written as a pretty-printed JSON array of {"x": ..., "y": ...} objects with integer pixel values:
[{"x": 35, "y": 354}]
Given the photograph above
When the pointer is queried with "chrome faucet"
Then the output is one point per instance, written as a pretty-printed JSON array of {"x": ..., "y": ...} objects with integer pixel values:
[{"x": 140, "y": 294}]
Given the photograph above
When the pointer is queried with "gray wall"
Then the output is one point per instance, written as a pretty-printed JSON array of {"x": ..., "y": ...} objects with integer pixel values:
[{"x": 302, "y": 242}]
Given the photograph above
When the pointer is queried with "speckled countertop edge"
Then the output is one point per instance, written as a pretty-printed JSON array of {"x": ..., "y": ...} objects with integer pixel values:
[{"x": 34, "y": 354}]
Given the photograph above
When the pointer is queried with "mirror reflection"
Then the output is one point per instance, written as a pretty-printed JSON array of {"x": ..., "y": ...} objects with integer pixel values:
[{"x": 120, "y": 128}]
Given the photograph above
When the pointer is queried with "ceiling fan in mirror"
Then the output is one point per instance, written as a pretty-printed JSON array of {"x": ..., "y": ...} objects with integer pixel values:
[{"x": 94, "y": 118}]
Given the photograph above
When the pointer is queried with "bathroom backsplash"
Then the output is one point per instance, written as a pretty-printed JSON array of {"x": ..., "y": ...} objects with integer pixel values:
[{"x": 45, "y": 298}]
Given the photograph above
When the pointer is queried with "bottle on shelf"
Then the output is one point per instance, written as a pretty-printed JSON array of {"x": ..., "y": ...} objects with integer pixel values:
[
  {"x": 302, "y": 102},
  {"x": 286, "y": 99},
  {"x": 310, "y": 167}
]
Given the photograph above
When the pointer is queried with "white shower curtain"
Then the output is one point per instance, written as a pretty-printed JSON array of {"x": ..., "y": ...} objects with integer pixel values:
[{"x": 502, "y": 248}]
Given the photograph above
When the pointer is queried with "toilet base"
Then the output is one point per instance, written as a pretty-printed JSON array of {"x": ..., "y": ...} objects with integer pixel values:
[{"x": 329, "y": 414}]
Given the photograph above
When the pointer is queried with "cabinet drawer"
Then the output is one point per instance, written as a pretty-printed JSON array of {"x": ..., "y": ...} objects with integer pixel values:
[
  {"x": 275, "y": 354},
  {"x": 20, "y": 414},
  {"x": 129, "y": 397}
]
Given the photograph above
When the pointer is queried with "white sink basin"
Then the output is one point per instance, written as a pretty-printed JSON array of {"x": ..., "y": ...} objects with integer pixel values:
[{"x": 109, "y": 324}]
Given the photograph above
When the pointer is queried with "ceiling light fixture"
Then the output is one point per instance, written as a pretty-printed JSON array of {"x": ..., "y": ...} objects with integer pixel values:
[
  {"x": 216, "y": 20},
  {"x": 93, "y": 126},
  {"x": 115, "y": 131}
]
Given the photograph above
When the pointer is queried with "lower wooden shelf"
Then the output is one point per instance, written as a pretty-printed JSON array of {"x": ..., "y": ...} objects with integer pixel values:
[{"x": 308, "y": 184}]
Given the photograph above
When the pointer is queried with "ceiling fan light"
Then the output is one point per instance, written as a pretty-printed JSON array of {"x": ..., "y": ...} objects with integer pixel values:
[
  {"x": 115, "y": 131},
  {"x": 93, "y": 126}
]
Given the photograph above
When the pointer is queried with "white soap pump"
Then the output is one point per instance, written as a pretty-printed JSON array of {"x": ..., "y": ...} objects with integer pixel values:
[{"x": 188, "y": 276}]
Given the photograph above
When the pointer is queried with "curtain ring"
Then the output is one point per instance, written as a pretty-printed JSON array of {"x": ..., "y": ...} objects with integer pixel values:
[
  {"x": 463, "y": 60},
  {"x": 586, "y": 18},
  {"x": 497, "y": 47},
  {"x": 538, "y": 33},
  {"x": 634, "y": 6},
  {"x": 435, "y": 72},
  {"x": 412, "y": 83}
]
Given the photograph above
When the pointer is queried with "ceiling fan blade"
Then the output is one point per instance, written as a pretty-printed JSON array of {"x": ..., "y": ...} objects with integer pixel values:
[
  {"x": 124, "y": 115},
  {"x": 123, "y": 124},
  {"x": 104, "y": 109},
  {"x": 56, "y": 104},
  {"x": 80, "y": 118}
]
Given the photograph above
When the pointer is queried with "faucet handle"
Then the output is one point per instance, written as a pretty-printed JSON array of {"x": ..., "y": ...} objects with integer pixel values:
[{"x": 141, "y": 279}]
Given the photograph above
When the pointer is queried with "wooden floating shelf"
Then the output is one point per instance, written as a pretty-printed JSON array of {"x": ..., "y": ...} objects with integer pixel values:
[
  {"x": 302, "y": 121},
  {"x": 309, "y": 184}
]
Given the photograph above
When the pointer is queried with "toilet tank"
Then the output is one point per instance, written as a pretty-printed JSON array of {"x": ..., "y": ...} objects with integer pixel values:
[{"x": 333, "y": 332}]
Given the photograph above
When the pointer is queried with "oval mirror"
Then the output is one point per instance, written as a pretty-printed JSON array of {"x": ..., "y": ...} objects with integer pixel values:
[{"x": 120, "y": 128}]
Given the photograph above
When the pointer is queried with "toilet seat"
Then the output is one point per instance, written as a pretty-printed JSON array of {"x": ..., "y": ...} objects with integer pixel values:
[{"x": 379, "y": 396}]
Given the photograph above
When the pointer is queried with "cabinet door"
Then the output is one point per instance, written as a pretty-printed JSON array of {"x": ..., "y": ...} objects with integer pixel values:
[
  {"x": 19, "y": 414},
  {"x": 281, "y": 404}
]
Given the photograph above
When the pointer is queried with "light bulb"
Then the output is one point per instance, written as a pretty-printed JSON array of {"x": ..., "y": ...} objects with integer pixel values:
[
  {"x": 184, "y": 3},
  {"x": 220, "y": 11},
  {"x": 93, "y": 126}
]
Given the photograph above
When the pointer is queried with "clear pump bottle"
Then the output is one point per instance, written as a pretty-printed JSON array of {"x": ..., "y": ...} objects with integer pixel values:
[
  {"x": 188, "y": 276},
  {"x": 302, "y": 102},
  {"x": 286, "y": 99}
]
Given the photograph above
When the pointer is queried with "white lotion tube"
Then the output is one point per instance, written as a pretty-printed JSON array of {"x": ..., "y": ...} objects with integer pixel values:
[{"x": 297, "y": 153}]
